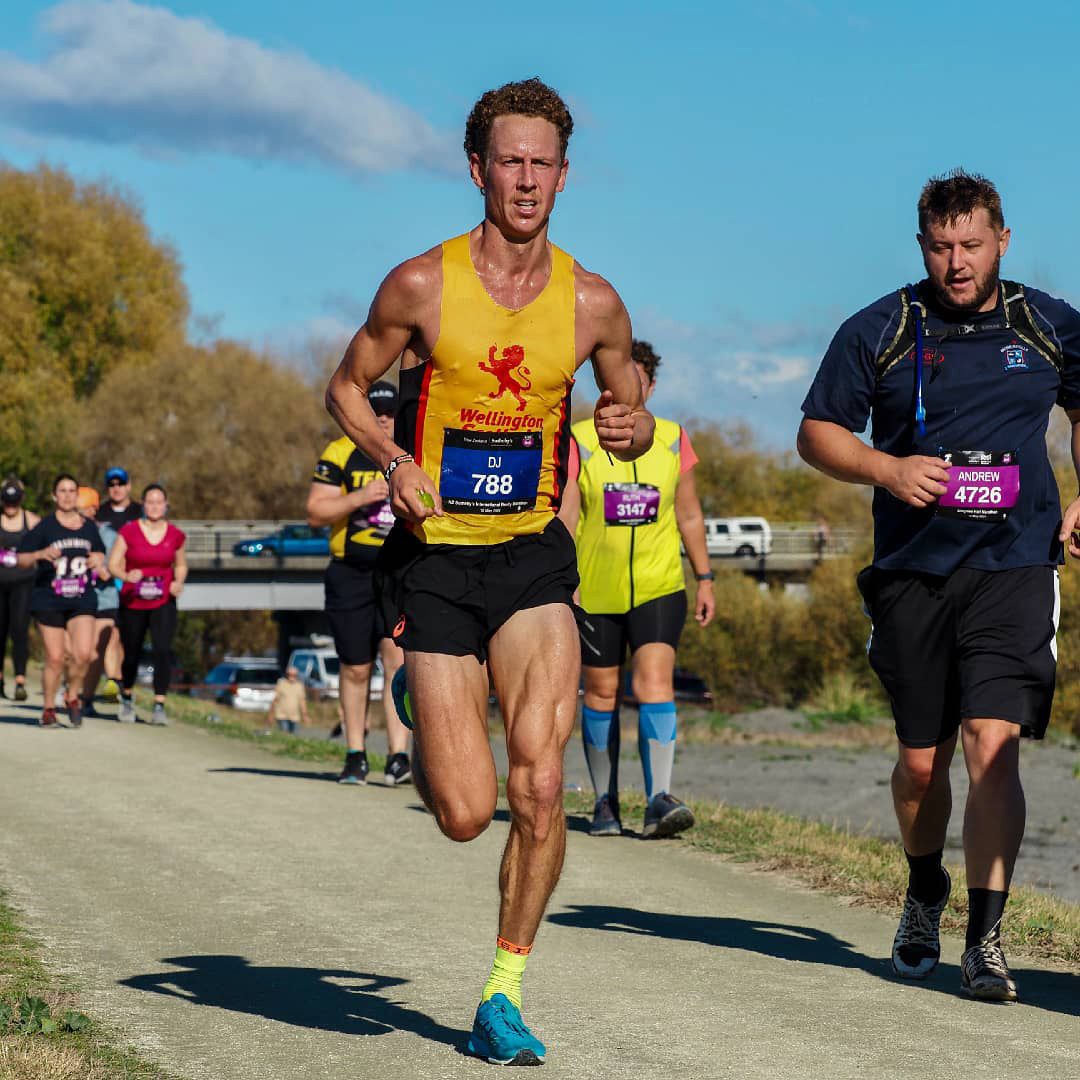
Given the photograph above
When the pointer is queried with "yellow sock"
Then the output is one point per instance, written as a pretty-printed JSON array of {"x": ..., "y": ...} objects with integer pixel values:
[{"x": 506, "y": 972}]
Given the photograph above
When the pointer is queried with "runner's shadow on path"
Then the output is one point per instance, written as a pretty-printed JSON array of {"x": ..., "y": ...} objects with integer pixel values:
[
  {"x": 289, "y": 774},
  {"x": 324, "y": 999},
  {"x": 1054, "y": 991}
]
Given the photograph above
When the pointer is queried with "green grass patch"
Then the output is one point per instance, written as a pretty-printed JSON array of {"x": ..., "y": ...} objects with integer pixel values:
[
  {"x": 870, "y": 871},
  {"x": 43, "y": 1035},
  {"x": 250, "y": 727}
]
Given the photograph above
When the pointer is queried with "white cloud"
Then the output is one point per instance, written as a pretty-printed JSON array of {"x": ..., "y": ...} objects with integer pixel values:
[{"x": 128, "y": 73}]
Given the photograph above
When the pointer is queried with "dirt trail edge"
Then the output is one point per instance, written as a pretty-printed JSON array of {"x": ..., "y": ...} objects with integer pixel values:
[{"x": 240, "y": 916}]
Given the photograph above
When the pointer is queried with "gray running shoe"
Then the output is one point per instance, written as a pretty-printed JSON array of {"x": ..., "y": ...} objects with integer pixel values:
[
  {"x": 397, "y": 770},
  {"x": 666, "y": 816},
  {"x": 126, "y": 715},
  {"x": 74, "y": 711},
  {"x": 984, "y": 972},
  {"x": 605, "y": 819},
  {"x": 20, "y": 692},
  {"x": 157, "y": 715},
  {"x": 917, "y": 946}
]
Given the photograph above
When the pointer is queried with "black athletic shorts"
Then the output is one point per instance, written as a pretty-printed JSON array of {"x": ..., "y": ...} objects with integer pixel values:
[
  {"x": 452, "y": 598},
  {"x": 975, "y": 644},
  {"x": 355, "y": 619},
  {"x": 604, "y": 638},
  {"x": 61, "y": 617}
]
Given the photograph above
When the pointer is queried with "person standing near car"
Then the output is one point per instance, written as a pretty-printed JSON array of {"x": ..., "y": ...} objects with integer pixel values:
[
  {"x": 627, "y": 518},
  {"x": 348, "y": 492},
  {"x": 16, "y": 583},
  {"x": 289, "y": 706},
  {"x": 149, "y": 558},
  {"x": 65, "y": 549}
]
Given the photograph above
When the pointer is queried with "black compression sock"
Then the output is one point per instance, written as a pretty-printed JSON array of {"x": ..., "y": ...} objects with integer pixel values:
[
  {"x": 926, "y": 881},
  {"x": 985, "y": 908}
]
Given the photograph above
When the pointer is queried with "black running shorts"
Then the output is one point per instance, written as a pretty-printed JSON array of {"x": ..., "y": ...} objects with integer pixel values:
[
  {"x": 355, "y": 619},
  {"x": 60, "y": 618},
  {"x": 452, "y": 598},
  {"x": 974, "y": 644},
  {"x": 604, "y": 638}
]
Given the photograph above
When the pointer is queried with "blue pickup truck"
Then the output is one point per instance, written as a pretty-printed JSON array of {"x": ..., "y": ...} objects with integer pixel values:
[{"x": 290, "y": 540}]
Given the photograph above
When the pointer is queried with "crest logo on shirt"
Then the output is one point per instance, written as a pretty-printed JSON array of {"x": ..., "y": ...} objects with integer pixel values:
[
  {"x": 509, "y": 369},
  {"x": 1015, "y": 357}
]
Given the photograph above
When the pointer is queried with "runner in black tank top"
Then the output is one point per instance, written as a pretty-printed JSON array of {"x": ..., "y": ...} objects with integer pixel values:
[{"x": 15, "y": 584}]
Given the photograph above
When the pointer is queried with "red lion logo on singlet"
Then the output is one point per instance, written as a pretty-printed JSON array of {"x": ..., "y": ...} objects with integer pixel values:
[{"x": 508, "y": 370}]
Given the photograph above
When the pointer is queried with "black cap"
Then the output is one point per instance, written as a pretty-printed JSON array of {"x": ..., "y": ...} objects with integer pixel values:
[
  {"x": 383, "y": 398},
  {"x": 11, "y": 492}
]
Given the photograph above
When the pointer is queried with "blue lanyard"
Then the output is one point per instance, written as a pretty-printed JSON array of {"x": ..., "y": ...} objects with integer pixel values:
[{"x": 917, "y": 313}]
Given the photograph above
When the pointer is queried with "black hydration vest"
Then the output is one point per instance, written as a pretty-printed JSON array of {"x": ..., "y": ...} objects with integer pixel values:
[{"x": 1017, "y": 318}]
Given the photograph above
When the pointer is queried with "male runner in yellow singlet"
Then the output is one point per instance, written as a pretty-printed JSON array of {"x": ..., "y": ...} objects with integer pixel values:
[{"x": 491, "y": 327}]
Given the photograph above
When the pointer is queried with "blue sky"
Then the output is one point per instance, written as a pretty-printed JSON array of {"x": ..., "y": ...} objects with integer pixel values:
[{"x": 745, "y": 174}]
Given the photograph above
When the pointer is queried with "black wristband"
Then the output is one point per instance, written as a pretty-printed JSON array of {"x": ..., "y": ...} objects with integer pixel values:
[
  {"x": 708, "y": 576},
  {"x": 399, "y": 460}
]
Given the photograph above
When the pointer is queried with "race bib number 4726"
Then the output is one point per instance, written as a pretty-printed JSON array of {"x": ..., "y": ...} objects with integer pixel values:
[
  {"x": 983, "y": 485},
  {"x": 490, "y": 472}
]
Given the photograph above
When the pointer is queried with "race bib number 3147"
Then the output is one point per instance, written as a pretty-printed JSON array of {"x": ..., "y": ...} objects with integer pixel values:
[{"x": 490, "y": 472}]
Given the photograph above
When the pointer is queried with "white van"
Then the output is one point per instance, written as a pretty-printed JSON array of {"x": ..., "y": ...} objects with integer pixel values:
[
  {"x": 738, "y": 536},
  {"x": 320, "y": 672}
]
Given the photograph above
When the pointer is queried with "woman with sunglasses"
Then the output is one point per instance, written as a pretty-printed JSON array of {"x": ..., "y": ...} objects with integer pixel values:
[{"x": 148, "y": 557}]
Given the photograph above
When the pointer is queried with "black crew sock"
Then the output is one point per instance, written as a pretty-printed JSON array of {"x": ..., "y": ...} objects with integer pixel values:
[
  {"x": 926, "y": 881},
  {"x": 985, "y": 908},
  {"x": 355, "y": 753}
]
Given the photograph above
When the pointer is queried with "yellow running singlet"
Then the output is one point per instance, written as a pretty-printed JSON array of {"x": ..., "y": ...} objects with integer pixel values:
[{"x": 491, "y": 424}]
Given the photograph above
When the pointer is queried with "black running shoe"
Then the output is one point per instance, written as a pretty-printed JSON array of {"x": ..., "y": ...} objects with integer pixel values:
[
  {"x": 74, "y": 711},
  {"x": 89, "y": 712},
  {"x": 984, "y": 972},
  {"x": 666, "y": 816},
  {"x": 397, "y": 769},
  {"x": 917, "y": 945},
  {"x": 20, "y": 691},
  {"x": 355, "y": 770},
  {"x": 605, "y": 819}
]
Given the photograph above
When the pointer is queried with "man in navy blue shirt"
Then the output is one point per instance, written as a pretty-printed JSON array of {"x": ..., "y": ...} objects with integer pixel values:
[{"x": 958, "y": 374}]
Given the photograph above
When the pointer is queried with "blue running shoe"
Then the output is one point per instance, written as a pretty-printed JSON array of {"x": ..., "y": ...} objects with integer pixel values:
[
  {"x": 399, "y": 691},
  {"x": 500, "y": 1035}
]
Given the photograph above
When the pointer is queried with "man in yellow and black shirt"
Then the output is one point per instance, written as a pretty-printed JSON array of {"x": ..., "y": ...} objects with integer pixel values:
[
  {"x": 478, "y": 573},
  {"x": 349, "y": 493}
]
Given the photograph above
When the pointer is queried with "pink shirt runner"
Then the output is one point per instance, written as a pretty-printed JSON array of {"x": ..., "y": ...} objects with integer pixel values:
[{"x": 156, "y": 563}]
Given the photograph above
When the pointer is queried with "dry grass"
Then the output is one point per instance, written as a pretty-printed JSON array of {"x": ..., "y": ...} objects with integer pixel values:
[
  {"x": 25, "y": 1057},
  {"x": 863, "y": 869}
]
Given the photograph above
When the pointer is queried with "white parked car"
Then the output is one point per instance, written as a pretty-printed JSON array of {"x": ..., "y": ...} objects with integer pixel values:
[
  {"x": 738, "y": 536},
  {"x": 320, "y": 672}
]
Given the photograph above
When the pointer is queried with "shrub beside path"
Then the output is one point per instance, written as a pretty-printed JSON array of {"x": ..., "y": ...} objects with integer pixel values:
[{"x": 238, "y": 916}]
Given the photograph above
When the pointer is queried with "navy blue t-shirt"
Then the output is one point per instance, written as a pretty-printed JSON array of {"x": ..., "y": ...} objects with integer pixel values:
[{"x": 982, "y": 391}]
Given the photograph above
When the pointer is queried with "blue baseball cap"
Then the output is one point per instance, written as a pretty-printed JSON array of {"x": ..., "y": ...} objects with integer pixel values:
[{"x": 117, "y": 474}]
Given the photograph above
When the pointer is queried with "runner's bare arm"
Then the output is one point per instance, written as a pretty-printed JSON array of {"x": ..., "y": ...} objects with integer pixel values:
[
  {"x": 624, "y": 425},
  {"x": 180, "y": 570},
  {"x": 118, "y": 558},
  {"x": 570, "y": 506},
  {"x": 839, "y": 453},
  {"x": 394, "y": 322},
  {"x": 1070, "y": 520},
  {"x": 691, "y": 522},
  {"x": 327, "y": 504}
]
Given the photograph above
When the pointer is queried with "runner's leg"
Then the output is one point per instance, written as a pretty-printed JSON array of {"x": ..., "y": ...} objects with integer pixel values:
[
  {"x": 600, "y": 730},
  {"x": 922, "y": 795},
  {"x": 534, "y": 659},
  {"x": 397, "y": 734},
  {"x": 353, "y": 687},
  {"x": 653, "y": 681},
  {"x": 452, "y": 766},
  {"x": 103, "y": 629},
  {"x": 52, "y": 638},
  {"x": 81, "y": 636}
]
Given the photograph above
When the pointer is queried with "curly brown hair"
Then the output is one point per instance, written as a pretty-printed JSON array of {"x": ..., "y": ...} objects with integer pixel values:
[
  {"x": 642, "y": 352},
  {"x": 958, "y": 194},
  {"x": 529, "y": 98}
]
